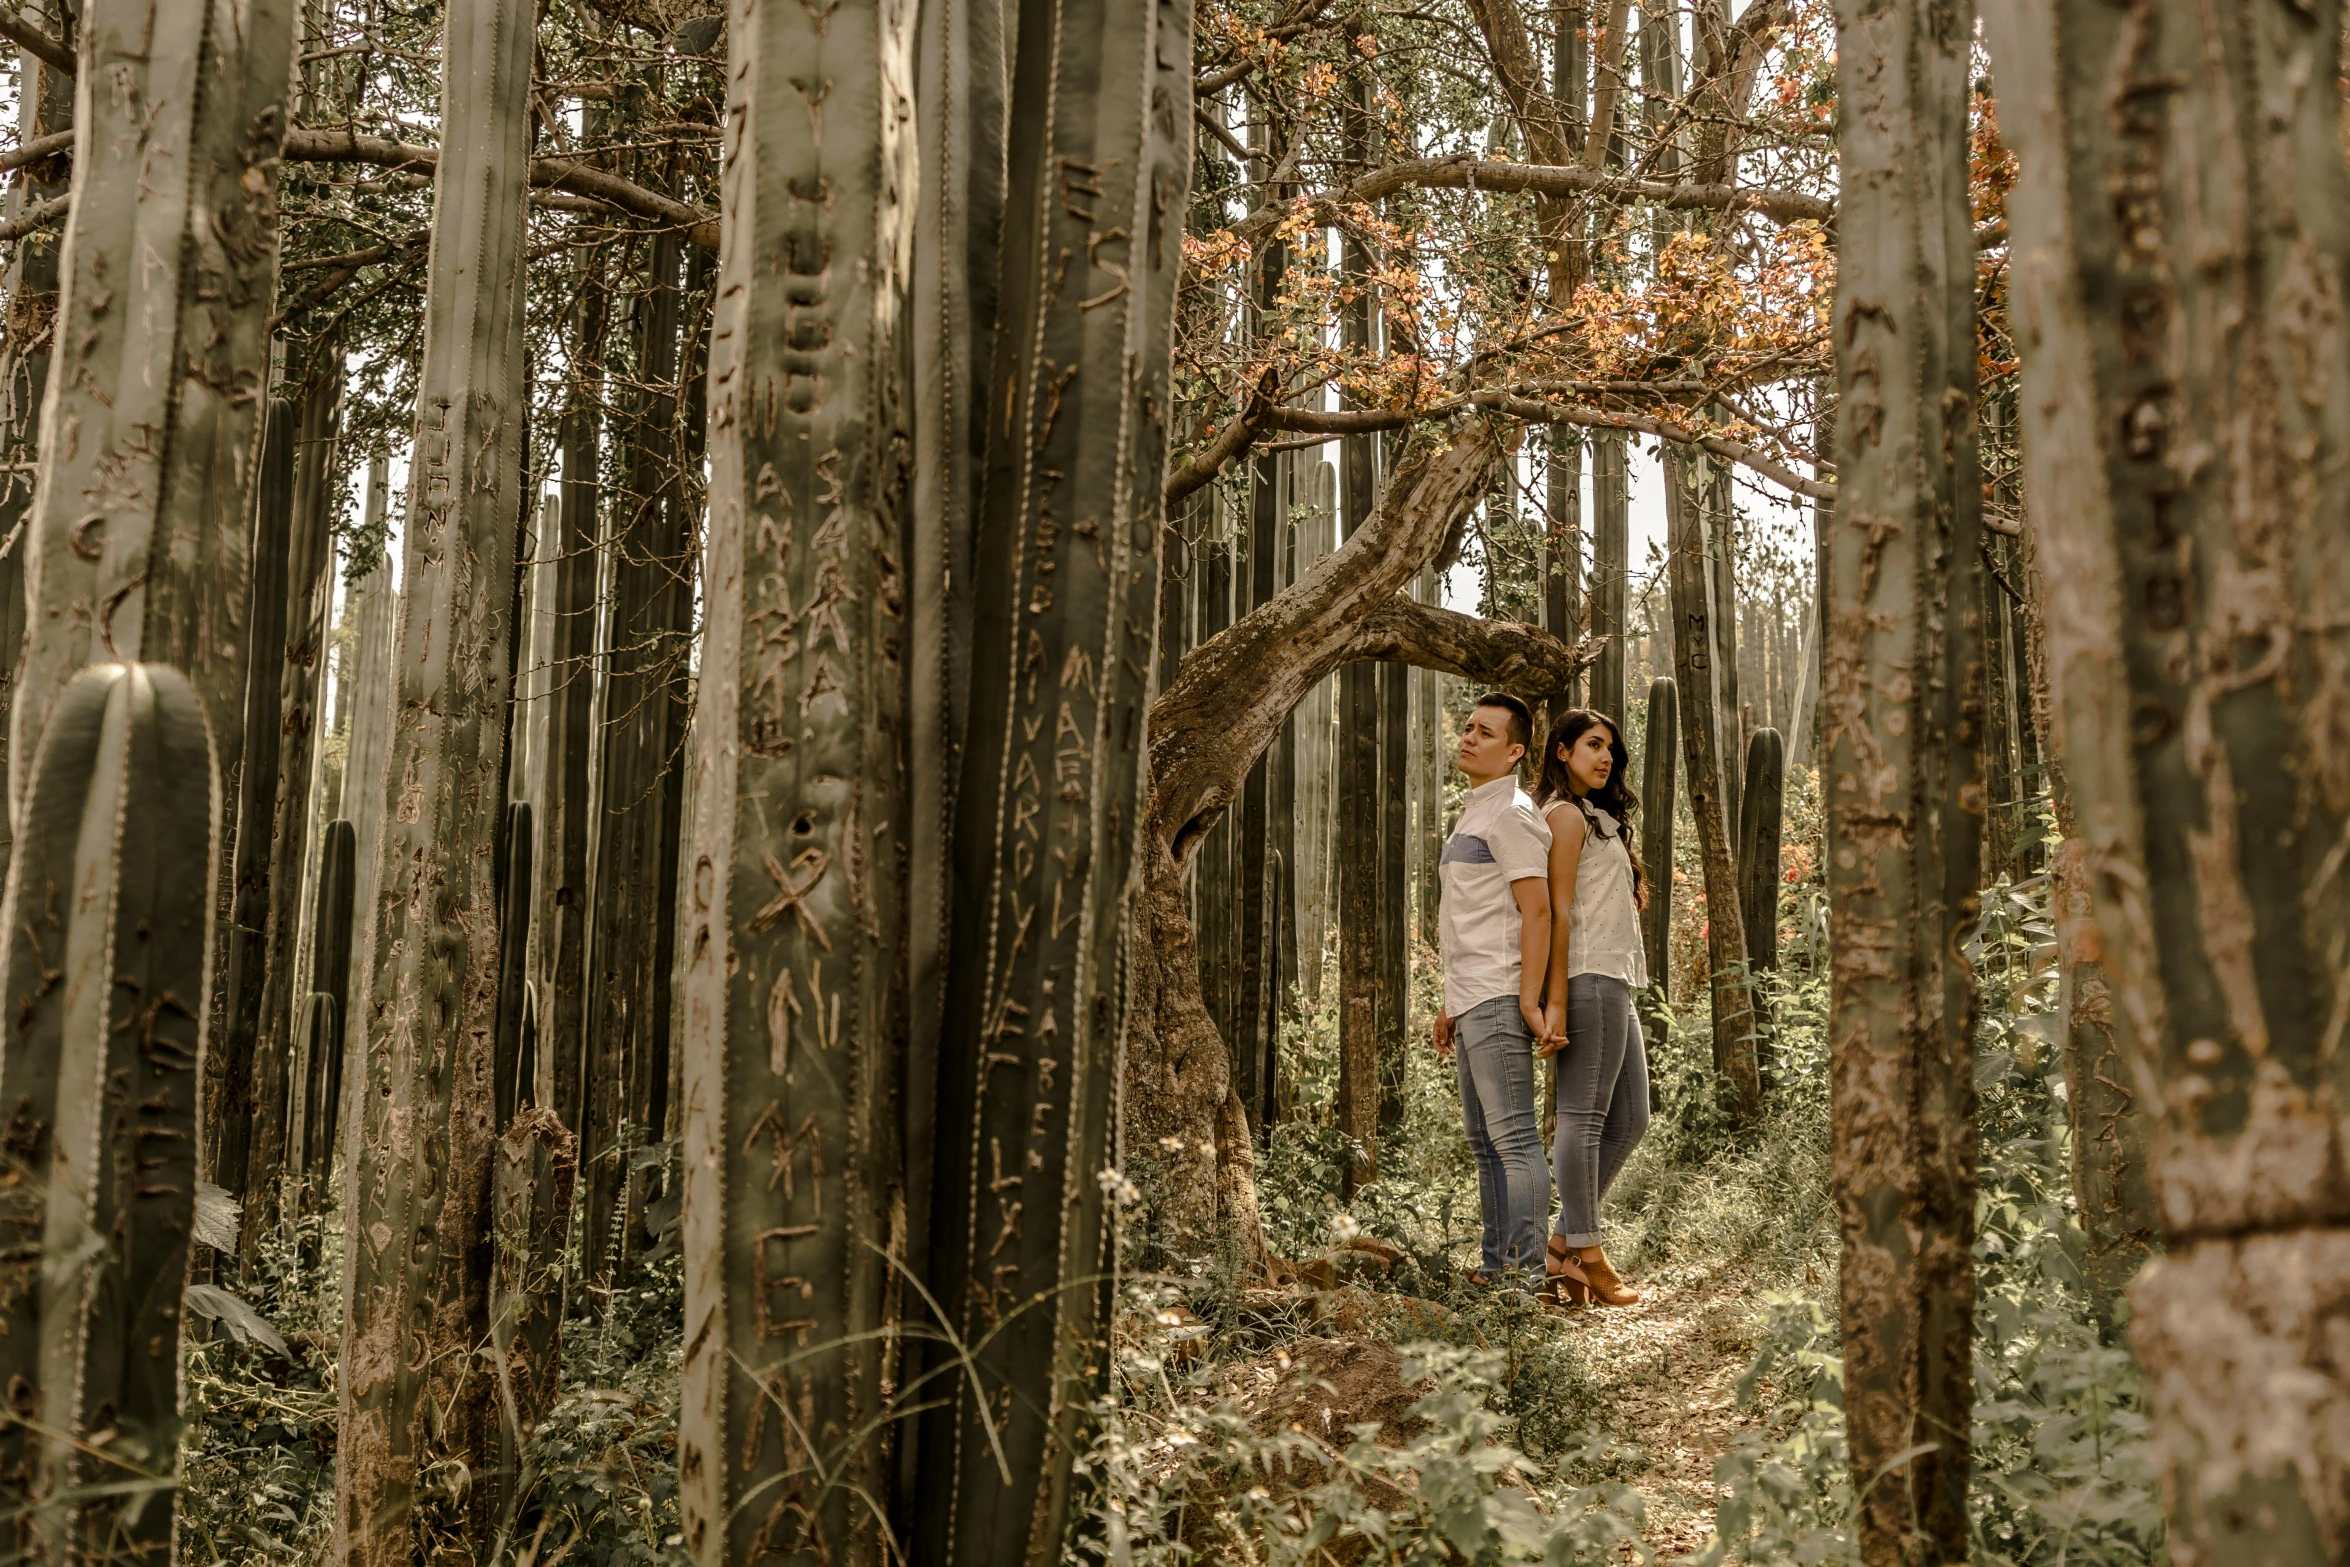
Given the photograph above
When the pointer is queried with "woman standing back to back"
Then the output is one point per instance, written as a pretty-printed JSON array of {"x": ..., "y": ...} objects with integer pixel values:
[{"x": 1597, "y": 964}]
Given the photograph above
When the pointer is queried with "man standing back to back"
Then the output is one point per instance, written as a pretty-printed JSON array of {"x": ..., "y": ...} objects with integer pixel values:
[{"x": 1496, "y": 946}]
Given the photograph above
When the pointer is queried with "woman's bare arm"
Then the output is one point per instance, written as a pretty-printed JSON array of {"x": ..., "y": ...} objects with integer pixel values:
[{"x": 1566, "y": 855}]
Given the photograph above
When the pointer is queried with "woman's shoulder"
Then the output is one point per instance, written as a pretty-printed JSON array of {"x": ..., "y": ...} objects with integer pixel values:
[{"x": 1572, "y": 824}]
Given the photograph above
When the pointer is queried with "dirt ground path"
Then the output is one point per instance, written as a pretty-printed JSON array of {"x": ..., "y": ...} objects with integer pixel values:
[{"x": 1667, "y": 1370}]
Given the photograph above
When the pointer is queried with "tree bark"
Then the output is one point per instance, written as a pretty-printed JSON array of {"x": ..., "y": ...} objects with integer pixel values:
[
  {"x": 1901, "y": 706},
  {"x": 2184, "y": 413},
  {"x": 792, "y": 982},
  {"x": 1737, "y": 1057},
  {"x": 416, "y": 1253}
]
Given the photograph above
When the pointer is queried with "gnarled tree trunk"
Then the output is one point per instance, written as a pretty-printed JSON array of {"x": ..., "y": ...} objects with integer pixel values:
[
  {"x": 1901, "y": 711},
  {"x": 1230, "y": 696},
  {"x": 2179, "y": 247}
]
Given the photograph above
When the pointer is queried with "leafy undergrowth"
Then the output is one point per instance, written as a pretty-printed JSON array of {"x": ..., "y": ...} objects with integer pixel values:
[
  {"x": 1703, "y": 1426},
  {"x": 1397, "y": 1416}
]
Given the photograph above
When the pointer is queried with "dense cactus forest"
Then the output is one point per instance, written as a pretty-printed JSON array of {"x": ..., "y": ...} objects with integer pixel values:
[{"x": 730, "y": 747}]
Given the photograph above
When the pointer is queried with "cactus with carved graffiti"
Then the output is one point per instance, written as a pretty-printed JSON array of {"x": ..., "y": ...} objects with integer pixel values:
[
  {"x": 792, "y": 989},
  {"x": 105, "y": 985},
  {"x": 416, "y": 1298},
  {"x": 137, "y": 543},
  {"x": 1067, "y": 559}
]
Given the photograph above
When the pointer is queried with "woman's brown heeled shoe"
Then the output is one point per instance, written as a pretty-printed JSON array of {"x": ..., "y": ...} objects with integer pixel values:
[
  {"x": 1606, "y": 1286},
  {"x": 1564, "y": 1282}
]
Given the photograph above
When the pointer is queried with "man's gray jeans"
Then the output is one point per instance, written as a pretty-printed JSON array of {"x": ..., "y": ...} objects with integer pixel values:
[{"x": 1493, "y": 1052}]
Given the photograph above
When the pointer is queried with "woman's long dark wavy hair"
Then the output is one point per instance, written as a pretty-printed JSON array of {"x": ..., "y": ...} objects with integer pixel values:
[{"x": 1614, "y": 797}]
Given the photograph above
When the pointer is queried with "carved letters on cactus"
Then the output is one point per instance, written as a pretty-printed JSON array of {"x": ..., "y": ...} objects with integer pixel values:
[
  {"x": 138, "y": 549},
  {"x": 416, "y": 1290},
  {"x": 1051, "y": 801},
  {"x": 792, "y": 987}
]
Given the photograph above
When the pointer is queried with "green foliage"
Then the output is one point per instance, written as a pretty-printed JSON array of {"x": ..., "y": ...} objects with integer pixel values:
[
  {"x": 2062, "y": 1471},
  {"x": 1181, "y": 1477}
]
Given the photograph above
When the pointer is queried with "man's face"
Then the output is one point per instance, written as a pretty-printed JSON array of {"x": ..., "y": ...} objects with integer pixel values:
[{"x": 1487, "y": 751}]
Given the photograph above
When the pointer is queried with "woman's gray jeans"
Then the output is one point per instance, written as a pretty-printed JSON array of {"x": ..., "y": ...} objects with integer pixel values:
[{"x": 1602, "y": 1100}]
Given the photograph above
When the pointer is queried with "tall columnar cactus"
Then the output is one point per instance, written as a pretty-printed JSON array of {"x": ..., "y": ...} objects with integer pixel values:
[
  {"x": 2185, "y": 422},
  {"x": 1658, "y": 799},
  {"x": 514, "y": 900},
  {"x": 960, "y": 104},
  {"x": 1761, "y": 809},
  {"x": 416, "y": 1290},
  {"x": 309, "y": 590},
  {"x": 792, "y": 986},
  {"x": 137, "y": 547},
  {"x": 632, "y": 919},
  {"x": 244, "y": 951},
  {"x": 530, "y": 1225},
  {"x": 330, "y": 974},
  {"x": 109, "y": 906},
  {"x": 1052, "y": 782},
  {"x": 1901, "y": 782}
]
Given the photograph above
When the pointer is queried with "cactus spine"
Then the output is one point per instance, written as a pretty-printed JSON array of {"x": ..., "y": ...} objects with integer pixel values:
[
  {"x": 138, "y": 543},
  {"x": 416, "y": 1290},
  {"x": 1068, "y": 551},
  {"x": 109, "y": 900},
  {"x": 793, "y": 987},
  {"x": 1658, "y": 782}
]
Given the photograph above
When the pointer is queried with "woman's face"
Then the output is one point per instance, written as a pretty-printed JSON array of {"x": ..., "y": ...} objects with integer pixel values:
[{"x": 1589, "y": 761}]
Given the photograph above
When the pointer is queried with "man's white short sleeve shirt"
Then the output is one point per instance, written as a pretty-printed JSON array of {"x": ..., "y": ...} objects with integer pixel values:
[{"x": 1498, "y": 839}]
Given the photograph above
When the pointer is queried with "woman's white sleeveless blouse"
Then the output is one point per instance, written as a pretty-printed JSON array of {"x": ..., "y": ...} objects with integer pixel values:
[{"x": 1603, "y": 929}]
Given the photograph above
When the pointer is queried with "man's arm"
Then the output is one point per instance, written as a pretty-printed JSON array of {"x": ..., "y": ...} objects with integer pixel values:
[{"x": 1533, "y": 895}]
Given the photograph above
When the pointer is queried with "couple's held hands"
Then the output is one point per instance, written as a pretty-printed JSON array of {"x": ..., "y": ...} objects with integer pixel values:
[
  {"x": 1550, "y": 1029},
  {"x": 1444, "y": 1034}
]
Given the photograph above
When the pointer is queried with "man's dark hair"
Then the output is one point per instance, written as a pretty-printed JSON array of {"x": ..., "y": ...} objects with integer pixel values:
[{"x": 1521, "y": 729}]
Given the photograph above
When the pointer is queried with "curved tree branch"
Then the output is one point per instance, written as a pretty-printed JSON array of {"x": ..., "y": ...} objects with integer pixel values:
[
  {"x": 1233, "y": 693},
  {"x": 1524, "y": 660},
  {"x": 308, "y": 144},
  {"x": 51, "y": 52},
  {"x": 1468, "y": 171}
]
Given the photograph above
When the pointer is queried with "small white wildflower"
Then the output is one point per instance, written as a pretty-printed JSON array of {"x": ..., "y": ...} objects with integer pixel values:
[
  {"x": 1343, "y": 1228},
  {"x": 1171, "y": 1144}
]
